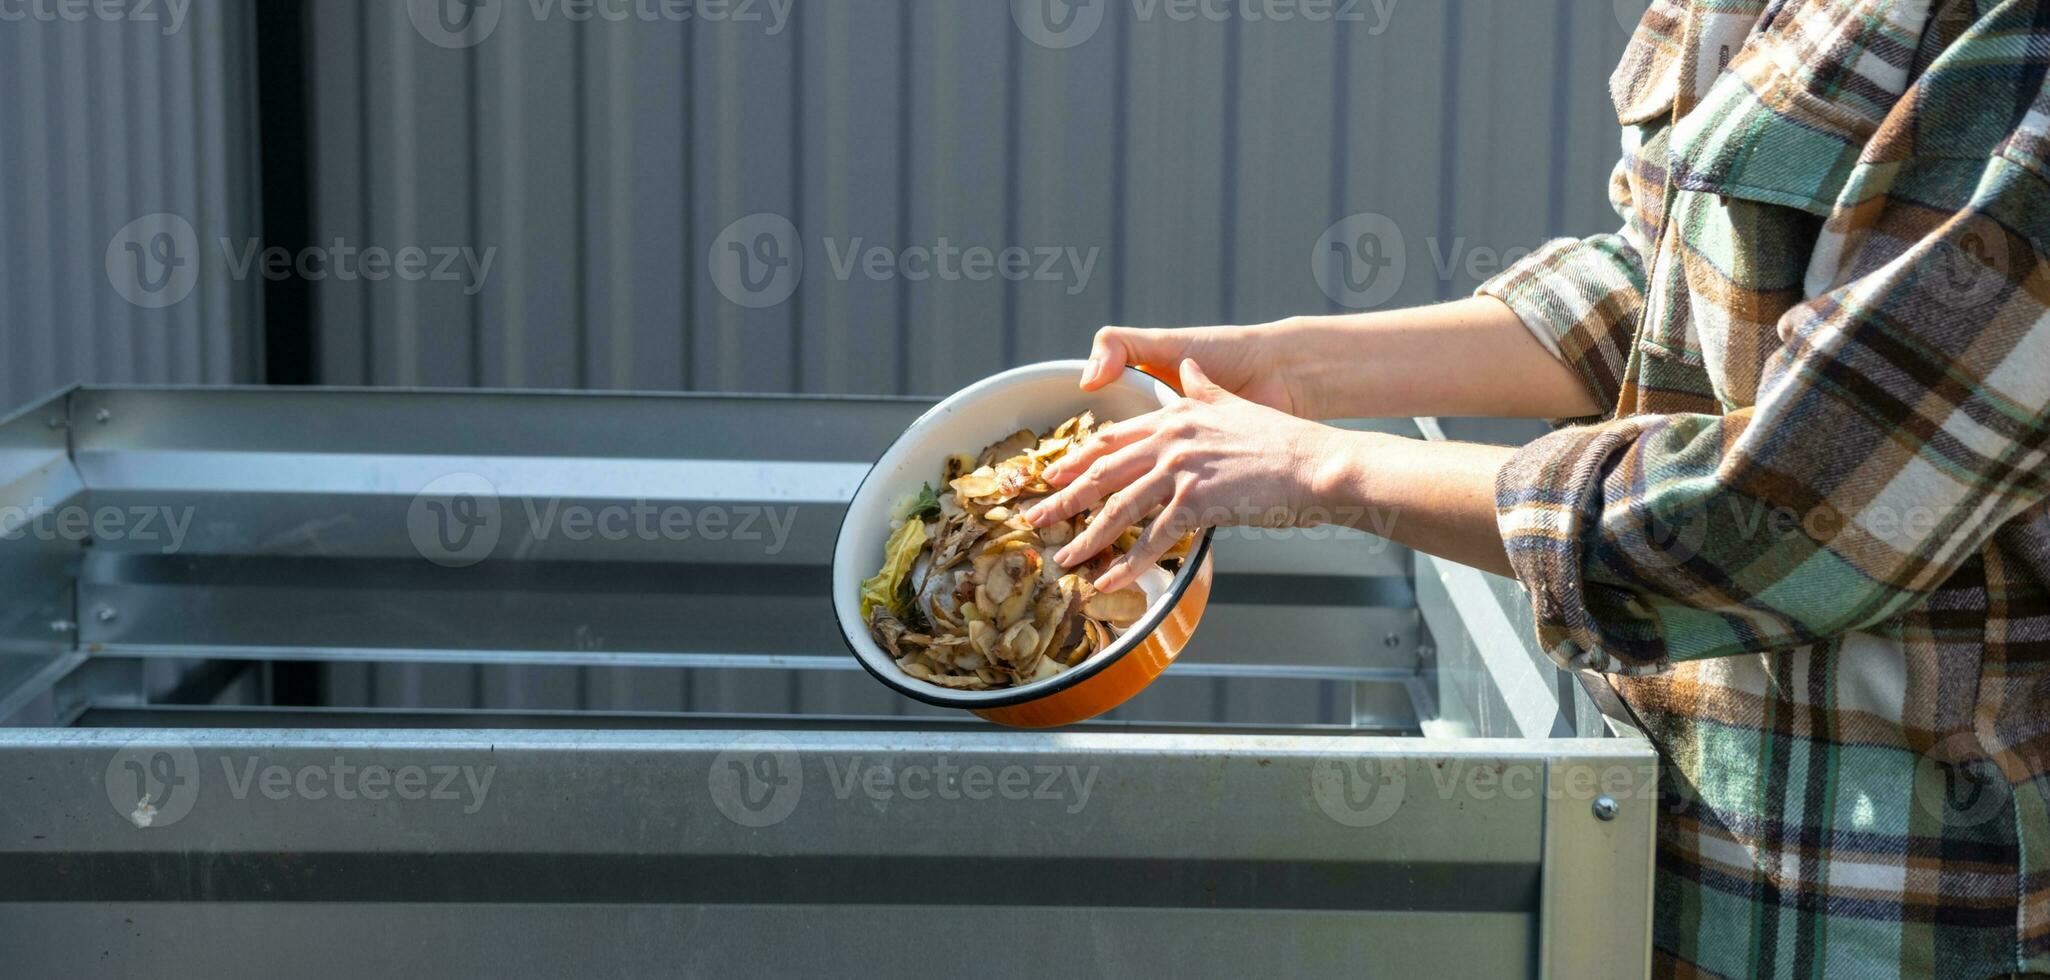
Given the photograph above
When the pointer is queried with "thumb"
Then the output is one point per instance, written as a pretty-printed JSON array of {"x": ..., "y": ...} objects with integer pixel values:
[
  {"x": 1117, "y": 348},
  {"x": 1197, "y": 385}
]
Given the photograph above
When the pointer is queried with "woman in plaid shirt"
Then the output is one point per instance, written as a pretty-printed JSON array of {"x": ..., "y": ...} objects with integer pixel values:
[{"x": 1795, "y": 513}]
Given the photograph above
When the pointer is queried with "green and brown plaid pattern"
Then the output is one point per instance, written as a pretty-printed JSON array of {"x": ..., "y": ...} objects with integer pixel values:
[{"x": 1810, "y": 545}]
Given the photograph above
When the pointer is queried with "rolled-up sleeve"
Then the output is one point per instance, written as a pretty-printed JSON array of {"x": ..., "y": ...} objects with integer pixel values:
[
  {"x": 1580, "y": 296},
  {"x": 1902, "y": 423}
]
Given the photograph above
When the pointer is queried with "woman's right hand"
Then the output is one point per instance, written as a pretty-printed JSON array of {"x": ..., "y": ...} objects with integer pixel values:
[{"x": 1242, "y": 360}]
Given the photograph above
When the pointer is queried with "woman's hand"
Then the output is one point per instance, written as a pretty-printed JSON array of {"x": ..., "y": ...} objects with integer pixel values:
[
  {"x": 1243, "y": 360},
  {"x": 1212, "y": 457}
]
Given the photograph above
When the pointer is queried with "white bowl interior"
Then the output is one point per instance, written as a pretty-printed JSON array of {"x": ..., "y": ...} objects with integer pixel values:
[{"x": 1035, "y": 397}]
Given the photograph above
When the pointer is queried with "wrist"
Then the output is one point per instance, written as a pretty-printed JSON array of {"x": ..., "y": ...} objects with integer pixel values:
[
  {"x": 1283, "y": 344},
  {"x": 1335, "y": 469}
]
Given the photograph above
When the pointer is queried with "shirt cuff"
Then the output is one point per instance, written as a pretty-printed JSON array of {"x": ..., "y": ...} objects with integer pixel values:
[{"x": 1549, "y": 504}]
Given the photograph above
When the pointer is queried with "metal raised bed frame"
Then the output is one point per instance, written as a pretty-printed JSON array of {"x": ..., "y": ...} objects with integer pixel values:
[{"x": 573, "y": 750}]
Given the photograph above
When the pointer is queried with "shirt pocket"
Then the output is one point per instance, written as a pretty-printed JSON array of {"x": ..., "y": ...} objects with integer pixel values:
[
  {"x": 1749, "y": 188},
  {"x": 1730, "y": 266}
]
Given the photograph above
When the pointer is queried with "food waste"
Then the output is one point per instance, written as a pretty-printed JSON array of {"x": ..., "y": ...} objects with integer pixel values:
[{"x": 969, "y": 596}]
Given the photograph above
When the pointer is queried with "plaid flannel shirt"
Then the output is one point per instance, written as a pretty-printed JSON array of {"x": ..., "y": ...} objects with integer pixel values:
[{"x": 1809, "y": 547}]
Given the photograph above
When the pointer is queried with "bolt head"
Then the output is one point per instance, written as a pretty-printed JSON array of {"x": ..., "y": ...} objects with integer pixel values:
[
  {"x": 102, "y": 416},
  {"x": 1605, "y": 808},
  {"x": 105, "y": 614}
]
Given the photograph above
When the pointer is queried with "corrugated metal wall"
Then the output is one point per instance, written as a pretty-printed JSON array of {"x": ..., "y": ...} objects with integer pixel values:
[
  {"x": 1197, "y": 160},
  {"x": 103, "y": 123}
]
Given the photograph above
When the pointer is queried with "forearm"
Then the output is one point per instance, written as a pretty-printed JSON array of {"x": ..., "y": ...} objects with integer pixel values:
[
  {"x": 1436, "y": 497},
  {"x": 1470, "y": 357}
]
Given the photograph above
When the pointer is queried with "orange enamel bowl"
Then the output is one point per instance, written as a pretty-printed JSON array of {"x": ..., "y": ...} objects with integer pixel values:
[{"x": 1036, "y": 396}]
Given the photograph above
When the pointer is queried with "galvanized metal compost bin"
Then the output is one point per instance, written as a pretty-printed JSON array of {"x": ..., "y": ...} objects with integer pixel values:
[{"x": 345, "y": 683}]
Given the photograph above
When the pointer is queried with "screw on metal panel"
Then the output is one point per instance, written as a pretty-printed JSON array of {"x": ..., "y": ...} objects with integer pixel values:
[
  {"x": 1605, "y": 807},
  {"x": 105, "y": 614},
  {"x": 102, "y": 416},
  {"x": 1392, "y": 640},
  {"x": 62, "y": 626},
  {"x": 55, "y": 422}
]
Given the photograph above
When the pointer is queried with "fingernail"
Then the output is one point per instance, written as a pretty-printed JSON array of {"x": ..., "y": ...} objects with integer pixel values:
[
  {"x": 1108, "y": 578},
  {"x": 1032, "y": 515},
  {"x": 1089, "y": 370},
  {"x": 1063, "y": 559}
]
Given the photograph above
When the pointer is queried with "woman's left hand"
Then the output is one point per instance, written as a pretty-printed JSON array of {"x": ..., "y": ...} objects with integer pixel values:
[{"x": 1211, "y": 457}]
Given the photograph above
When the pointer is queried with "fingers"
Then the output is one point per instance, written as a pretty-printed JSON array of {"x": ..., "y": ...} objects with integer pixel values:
[
  {"x": 1197, "y": 385},
  {"x": 1106, "y": 358},
  {"x": 1117, "y": 348},
  {"x": 1121, "y": 511},
  {"x": 1107, "y": 439},
  {"x": 1167, "y": 529},
  {"x": 1106, "y": 475}
]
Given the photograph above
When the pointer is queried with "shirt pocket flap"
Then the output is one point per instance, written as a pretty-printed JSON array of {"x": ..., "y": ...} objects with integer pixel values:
[
  {"x": 1760, "y": 135},
  {"x": 1646, "y": 81}
]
